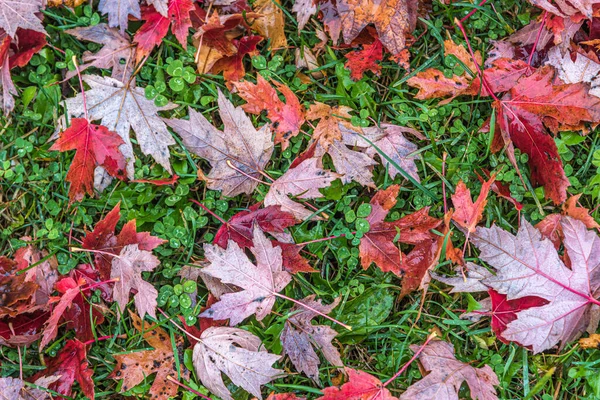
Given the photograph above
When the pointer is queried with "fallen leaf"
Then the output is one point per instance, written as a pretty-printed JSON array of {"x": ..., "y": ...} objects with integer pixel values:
[
  {"x": 43, "y": 273},
  {"x": 110, "y": 244},
  {"x": 127, "y": 267},
  {"x": 304, "y": 182},
  {"x": 327, "y": 130},
  {"x": 378, "y": 245},
  {"x": 233, "y": 66},
  {"x": 286, "y": 118},
  {"x": 238, "y": 354},
  {"x": 69, "y": 365},
  {"x": 351, "y": 165},
  {"x": 528, "y": 265},
  {"x": 116, "y": 53},
  {"x": 118, "y": 12},
  {"x": 16, "y": 14},
  {"x": 304, "y": 9},
  {"x": 284, "y": 396},
  {"x": 121, "y": 107},
  {"x": 239, "y": 147},
  {"x": 582, "y": 214},
  {"x": 446, "y": 375},
  {"x": 24, "y": 329},
  {"x": 95, "y": 146},
  {"x": 271, "y": 24},
  {"x": 16, "y": 389},
  {"x": 567, "y": 8},
  {"x": 260, "y": 283},
  {"x": 467, "y": 213},
  {"x": 591, "y": 342},
  {"x": 300, "y": 337},
  {"x": 156, "y": 26},
  {"x": 582, "y": 69},
  {"x": 360, "y": 386},
  {"x": 366, "y": 59},
  {"x": 472, "y": 282},
  {"x": 134, "y": 367},
  {"x": 17, "y": 292}
]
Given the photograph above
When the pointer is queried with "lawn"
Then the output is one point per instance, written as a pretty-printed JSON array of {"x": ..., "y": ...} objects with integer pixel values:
[{"x": 116, "y": 253}]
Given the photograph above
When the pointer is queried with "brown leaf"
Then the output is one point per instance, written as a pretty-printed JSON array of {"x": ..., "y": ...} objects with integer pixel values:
[
  {"x": 300, "y": 337},
  {"x": 133, "y": 368},
  {"x": 271, "y": 23},
  {"x": 591, "y": 342},
  {"x": 327, "y": 130}
]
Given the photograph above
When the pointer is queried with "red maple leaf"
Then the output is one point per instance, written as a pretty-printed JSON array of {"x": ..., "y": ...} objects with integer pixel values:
[
  {"x": 360, "y": 386},
  {"x": 24, "y": 46},
  {"x": 378, "y": 245},
  {"x": 536, "y": 100},
  {"x": 469, "y": 213},
  {"x": 366, "y": 59},
  {"x": 286, "y": 118},
  {"x": 270, "y": 219},
  {"x": 23, "y": 329},
  {"x": 71, "y": 365},
  {"x": 505, "y": 311},
  {"x": 95, "y": 146},
  {"x": 156, "y": 26},
  {"x": 233, "y": 66},
  {"x": 105, "y": 239}
]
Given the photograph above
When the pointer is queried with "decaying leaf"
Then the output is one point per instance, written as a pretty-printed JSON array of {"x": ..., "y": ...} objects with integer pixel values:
[
  {"x": 446, "y": 375},
  {"x": 128, "y": 267},
  {"x": 236, "y": 353},
  {"x": 327, "y": 130},
  {"x": 15, "y": 14},
  {"x": 134, "y": 367},
  {"x": 271, "y": 24},
  {"x": 237, "y": 154},
  {"x": 300, "y": 337},
  {"x": 260, "y": 283}
]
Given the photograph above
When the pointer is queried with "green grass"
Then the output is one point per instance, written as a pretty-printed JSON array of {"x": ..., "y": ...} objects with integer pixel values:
[{"x": 34, "y": 202}]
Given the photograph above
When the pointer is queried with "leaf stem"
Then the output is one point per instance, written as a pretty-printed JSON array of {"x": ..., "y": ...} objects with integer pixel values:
[
  {"x": 179, "y": 326},
  {"x": 283, "y": 296},
  {"x": 85, "y": 110},
  {"x": 537, "y": 39},
  {"x": 414, "y": 357},
  {"x": 473, "y": 11},
  {"x": 197, "y": 393},
  {"x": 208, "y": 210},
  {"x": 230, "y": 165}
]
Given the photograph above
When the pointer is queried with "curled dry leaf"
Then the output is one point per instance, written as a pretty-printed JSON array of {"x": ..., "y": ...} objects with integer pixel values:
[
  {"x": 300, "y": 337},
  {"x": 302, "y": 181},
  {"x": 134, "y": 367},
  {"x": 446, "y": 375},
  {"x": 238, "y": 354},
  {"x": 260, "y": 283},
  {"x": 127, "y": 267},
  {"x": 237, "y": 155}
]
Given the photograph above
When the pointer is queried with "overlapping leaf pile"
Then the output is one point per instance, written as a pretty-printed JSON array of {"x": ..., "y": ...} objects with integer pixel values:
[{"x": 543, "y": 282}]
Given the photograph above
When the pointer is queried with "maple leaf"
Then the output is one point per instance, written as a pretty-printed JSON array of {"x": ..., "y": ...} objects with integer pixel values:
[
  {"x": 16, "y": 389},
  {"x": 16, "y": 14},
  {"x": 366, "y": 59},
  {"x": 24, "y": 329},
  {"x": 501, "y": 190},
  {"x": 69, "y": 365},
  {"x": 328, "y": 128},
  {"x": 304, "y": 9},
  {"x": 95, "y": 146},
  {"x": 128, "y": 268},
  {"x": 260, "y": 283},
  {"x": 524, "y": 110},
  {"x": 565, "y": 8},
  {"x": 69, "y": 289},
  {"x": 238, "y": 354},
  {"x": 300, "y": 337},
  {"x": 271, "y": 23},
  {"x": 360, "y": 386},
  {"x": 395, "y": 20},
  {"x": 582, "y": 69},
  {"x": 17, "y": 292},
  {"x": 121, "y": 107},
  {"x": 233, "y": 66},
  {"x": 43, "y": 273},
  {"x": 378, "y": 245},
  {"x": 351, "y": 165},
  {"x": 286, "y": 118},
  {"x": 118, "y": 11},
  {"x": 116, "y": 52},
  {"x": 468, "y": 214},
  {"x": 156, "y": 26},
  {"x": 304, "y": 182},
  {"x": 110, "y": 244},
  {"x": 391, "y": 141},
  {"x": 447, "y": 374},
  {"x": 134, "y": 367},
  {"x": 528, "y": 265},
  {"x": 471, "y": 283},
  {"x": 237, "y": 155}
]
